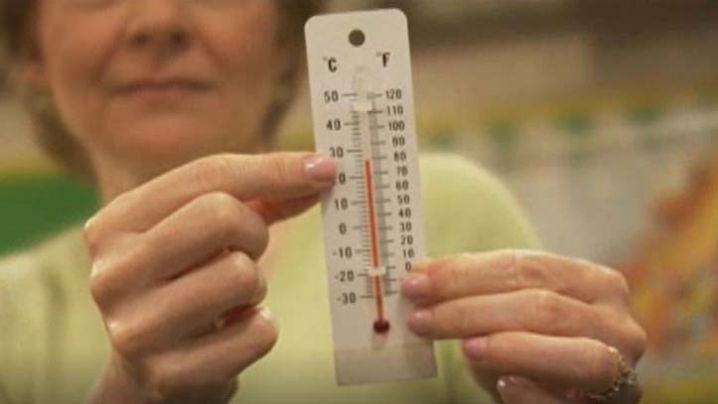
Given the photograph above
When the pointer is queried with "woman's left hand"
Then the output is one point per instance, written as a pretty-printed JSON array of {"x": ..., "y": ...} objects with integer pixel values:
[{"x": 535, "y": 327}]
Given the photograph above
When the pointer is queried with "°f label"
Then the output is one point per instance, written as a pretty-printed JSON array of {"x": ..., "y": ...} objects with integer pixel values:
[{"x": 363, "y": 110}]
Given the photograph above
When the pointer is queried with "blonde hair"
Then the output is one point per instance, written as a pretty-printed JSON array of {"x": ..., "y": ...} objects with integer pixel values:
[{"x": 19, "y": 43}]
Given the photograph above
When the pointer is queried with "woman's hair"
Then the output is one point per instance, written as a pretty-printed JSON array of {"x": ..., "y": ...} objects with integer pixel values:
[{"x": 18, "y": 41}]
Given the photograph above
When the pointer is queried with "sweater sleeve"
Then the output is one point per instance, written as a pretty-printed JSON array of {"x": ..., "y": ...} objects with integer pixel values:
[
  {"x": 5, "y": 338},
  {"x": 20, "y": 330},
  {"x": 467, "y": 210}
]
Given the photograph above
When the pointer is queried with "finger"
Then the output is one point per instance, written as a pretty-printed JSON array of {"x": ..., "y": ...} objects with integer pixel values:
[
  {"x": 535, "y": 310},
  {"x": 511, "y": 270},
  {"x": 223, "y": 355},
  {"x": 519, "y": 390},
  {"x": 188, "y": 306},
  {"x": 563, "y": 362},
  {"x": 210, "y": 365},
  {"x": 538, "y": 311},
  {"x": 209, "y": 225},
  {"x": 232, "y": 284},
  {"x": 202, "y": 229},
  {"x": 246, "y": 177}
]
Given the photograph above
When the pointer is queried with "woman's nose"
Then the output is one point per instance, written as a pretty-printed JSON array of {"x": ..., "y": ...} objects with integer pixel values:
[{"x": 158, "y": 24}]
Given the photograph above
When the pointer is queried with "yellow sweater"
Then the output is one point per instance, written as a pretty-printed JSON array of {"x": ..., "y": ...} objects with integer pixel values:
[{"x": 53, "y": 345}]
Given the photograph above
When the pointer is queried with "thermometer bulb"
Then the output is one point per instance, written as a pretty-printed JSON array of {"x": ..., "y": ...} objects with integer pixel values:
[{"x": 381, "y": 326}]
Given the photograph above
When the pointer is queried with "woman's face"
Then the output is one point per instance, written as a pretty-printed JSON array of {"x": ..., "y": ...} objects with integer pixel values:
[{"x": 159, "y": 82}]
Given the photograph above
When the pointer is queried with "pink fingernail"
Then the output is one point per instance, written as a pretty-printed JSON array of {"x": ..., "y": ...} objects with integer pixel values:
[
  {"x": 421, "y": 322},
  {"x": 476, "y": 348},
  {"x": 515, "y": 380},
  {"x": 416, "y": 286},
  {"x": 420, "y": 265},
  {"x": 501, "y": 384},
  {"x": 320, "y": 168},
  {"x": 266, "y": 314}
]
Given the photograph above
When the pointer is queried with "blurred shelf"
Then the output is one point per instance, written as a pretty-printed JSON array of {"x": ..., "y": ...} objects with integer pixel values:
[{"x": 440, "y": 23}]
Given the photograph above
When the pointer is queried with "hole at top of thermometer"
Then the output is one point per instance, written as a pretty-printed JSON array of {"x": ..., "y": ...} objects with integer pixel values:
[
  {"x": 357, "y": 37},
  {"x": 363, "y": 105}
]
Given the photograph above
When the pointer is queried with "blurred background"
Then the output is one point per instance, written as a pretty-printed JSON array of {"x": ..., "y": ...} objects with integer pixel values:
[{"x": 600, "y": 115}]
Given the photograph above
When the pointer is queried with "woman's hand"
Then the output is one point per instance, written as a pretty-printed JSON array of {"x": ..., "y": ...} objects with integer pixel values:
[
  {"x": 545, "y": 327},
  {"x": 175, "y": 274}
]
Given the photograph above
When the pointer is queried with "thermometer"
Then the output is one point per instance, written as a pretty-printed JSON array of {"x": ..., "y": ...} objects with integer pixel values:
[{"x": 363, "y": 112}]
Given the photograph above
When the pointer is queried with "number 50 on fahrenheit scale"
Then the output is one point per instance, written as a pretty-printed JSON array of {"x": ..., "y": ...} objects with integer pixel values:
[{"x": 363, "y": 111}]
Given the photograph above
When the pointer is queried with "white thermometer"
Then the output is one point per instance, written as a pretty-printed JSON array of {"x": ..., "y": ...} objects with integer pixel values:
[{"x": 363, "y": 110}]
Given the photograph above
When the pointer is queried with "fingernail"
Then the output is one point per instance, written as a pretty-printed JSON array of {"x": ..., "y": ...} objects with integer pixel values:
[
  {"x": 501, "y": 384},
  {"x": 509, "y": 381},
  {"x": 89, "y": 223},
  {"x": 421, "y": 322},
  {"x": 266, "y": 314},
  {"x": 320, "y": 168},
  {"x": 98, "y": 266},
  {"x": 420, "y": 266},
  {"x": 476, "y": 348},
  {"x": 416, "y": 286}
]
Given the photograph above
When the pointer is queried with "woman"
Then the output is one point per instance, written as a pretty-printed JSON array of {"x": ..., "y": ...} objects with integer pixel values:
[{"x": 170, "y": 107}]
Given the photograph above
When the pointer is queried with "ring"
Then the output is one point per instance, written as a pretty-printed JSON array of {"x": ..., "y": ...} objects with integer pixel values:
[{"x": 624, "y": 388}]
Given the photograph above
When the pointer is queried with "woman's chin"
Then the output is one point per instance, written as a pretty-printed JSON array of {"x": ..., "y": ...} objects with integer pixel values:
[{"x": 167, "y": 144}]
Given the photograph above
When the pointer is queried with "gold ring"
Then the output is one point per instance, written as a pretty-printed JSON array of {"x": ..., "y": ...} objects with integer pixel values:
[{"x": 625, "y": 377}]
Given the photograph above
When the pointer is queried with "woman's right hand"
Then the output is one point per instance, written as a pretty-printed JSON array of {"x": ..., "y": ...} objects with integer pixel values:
[{"x": 175, "y": 276}]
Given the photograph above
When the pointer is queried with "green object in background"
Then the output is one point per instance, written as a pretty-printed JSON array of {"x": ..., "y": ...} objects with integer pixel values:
[
  {"x": 504, "y": 135},
  {"x": 441, "y": 140},
  {"x": 577, "y": 124},
  {"x": 33, "y": 206},
  {"x": 645, "y": 114}
]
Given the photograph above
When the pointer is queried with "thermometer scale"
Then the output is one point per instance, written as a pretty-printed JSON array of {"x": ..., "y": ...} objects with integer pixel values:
[{"x": 363, "y": 112}]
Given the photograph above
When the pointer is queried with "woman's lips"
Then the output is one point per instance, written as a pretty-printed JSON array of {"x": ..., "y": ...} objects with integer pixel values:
[{"x": 163, "y": 89}]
